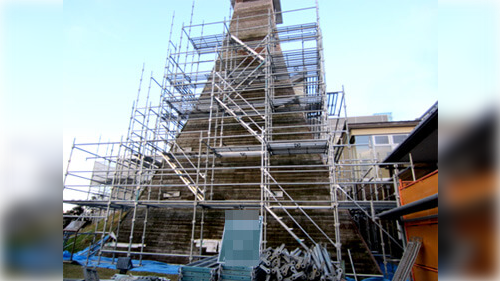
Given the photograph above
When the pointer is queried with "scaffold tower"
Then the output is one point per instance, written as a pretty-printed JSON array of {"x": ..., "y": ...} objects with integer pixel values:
[{"x": 240, "y": 119}]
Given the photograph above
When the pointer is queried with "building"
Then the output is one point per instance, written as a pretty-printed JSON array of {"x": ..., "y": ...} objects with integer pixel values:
[
  {"x": 243, "y": 121},
  {"x": 372, "y": 139},
  {"x": 418, "y": 193}
]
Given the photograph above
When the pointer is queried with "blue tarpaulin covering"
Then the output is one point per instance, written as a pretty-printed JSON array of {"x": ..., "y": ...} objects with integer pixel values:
[
  {"x": 369, "y": 279},
  {"x": 391, "y": 269},
  {"x": 105, "y": 262}
]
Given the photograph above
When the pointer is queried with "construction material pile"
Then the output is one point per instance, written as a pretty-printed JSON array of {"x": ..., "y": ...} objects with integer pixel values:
[
  {"x": 312, "y": 264},
  {"x": 122, "y": 277}
]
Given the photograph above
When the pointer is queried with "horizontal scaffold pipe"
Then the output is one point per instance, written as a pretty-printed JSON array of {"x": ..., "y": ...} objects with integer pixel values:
[
  {"x": 308, "y": 66},
  {"x": 164, "y": 172},
  {"x": 160, "y": 170},
  {"x": 249, "y": 17},
  {"x": 154, "y": 254},
  {"x": 71, "y": 187},
  {"x": 236, "y": 167},
  {"x": 230, "y": 204},
  {"x": 247, "y": 184},
  {"x": 206, "y": 45}
]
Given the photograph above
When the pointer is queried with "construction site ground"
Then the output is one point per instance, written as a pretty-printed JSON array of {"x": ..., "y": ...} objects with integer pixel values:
[{"x": 74, "y": 271}]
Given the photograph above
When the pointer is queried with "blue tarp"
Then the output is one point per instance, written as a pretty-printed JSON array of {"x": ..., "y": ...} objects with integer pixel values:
[
  {"x": 105, "y": 262},
  {"x": 369, "y": 279},
  {"x": 391, "y": 269}
]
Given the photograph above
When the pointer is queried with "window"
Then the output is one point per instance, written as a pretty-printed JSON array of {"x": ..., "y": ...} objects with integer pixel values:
[
  {"x": 362, "y": 139},
  {"x": 369, "y": 148},
  {"x": 381, "y": 139},
  {"x": 362, "y": 147},
  {"x": 397, "y": 139},
  {"x": 376, "y": 146},
  {"x": 382, "y": 151}
]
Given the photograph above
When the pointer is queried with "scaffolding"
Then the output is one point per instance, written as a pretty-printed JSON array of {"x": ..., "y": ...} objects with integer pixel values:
[{"x": 227, "y": 104}]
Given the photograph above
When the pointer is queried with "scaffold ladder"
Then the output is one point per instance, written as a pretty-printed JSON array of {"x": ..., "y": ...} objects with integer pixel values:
[
  {"x": 250, "y": 50},
  {"x": 289, "y": 229},
  {"x": 179, "y": 169},
  {"x": 408, "y": 259},
  {"x": 240, "y": 120}
]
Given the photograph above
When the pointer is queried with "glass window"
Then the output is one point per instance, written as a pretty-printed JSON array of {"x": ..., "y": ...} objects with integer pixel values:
[
  {"x": 364, "y": 152},
  {"x": 382, "y": 151},
  {"x": 363, "y": 169},
  {"x": 397, "y": 139},
  {"x": 362, "y": 139},
  {"x": 381, "y": 139}
]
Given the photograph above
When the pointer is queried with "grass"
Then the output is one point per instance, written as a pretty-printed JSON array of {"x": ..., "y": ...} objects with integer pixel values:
[
  {"x": 74, "y": 271},
  {"x": 83, "y": 241}
]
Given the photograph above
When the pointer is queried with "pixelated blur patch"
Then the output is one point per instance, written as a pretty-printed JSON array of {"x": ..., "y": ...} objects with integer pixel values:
[
  {"x": 31, "y": 218},
  {"x": 469, "y": 207},
  {"x": 241, "y": 238}
]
